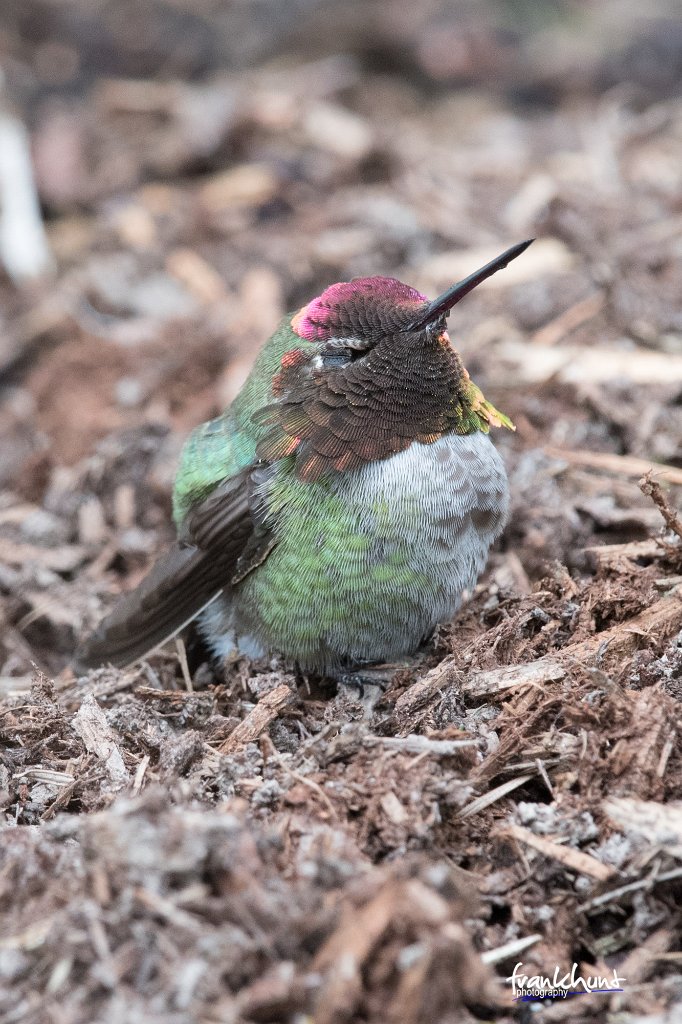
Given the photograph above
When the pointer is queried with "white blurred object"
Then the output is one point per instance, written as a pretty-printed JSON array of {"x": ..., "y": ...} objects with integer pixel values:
[{"x": 24, "y": 250}]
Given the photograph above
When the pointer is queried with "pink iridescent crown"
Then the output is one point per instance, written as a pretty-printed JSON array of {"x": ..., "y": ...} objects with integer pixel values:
[{"x": 363, "y": 306}]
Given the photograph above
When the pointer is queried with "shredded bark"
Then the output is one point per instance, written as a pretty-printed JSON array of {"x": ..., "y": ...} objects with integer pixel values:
[{"x": 182, "y": 842}]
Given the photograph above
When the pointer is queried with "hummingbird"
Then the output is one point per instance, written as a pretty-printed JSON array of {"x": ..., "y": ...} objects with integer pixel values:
[{"x": 338, "y": 509}]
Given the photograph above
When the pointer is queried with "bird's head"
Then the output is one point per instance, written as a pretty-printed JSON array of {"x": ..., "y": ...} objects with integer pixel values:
[{"x": 375, "y": 371}]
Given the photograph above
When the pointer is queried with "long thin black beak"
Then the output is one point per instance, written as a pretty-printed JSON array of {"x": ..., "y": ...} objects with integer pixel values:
[{"x": 445, "y": 302}]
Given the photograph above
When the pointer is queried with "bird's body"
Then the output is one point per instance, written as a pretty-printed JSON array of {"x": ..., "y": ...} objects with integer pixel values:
[
  {"x": 337, "y": 511},
  {"x": 369, "y": 562}
]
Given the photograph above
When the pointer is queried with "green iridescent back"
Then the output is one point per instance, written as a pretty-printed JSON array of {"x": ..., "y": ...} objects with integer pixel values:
[{"x": 227, "y": 444}]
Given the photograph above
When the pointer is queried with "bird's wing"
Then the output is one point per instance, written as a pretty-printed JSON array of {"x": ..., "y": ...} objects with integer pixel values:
[{"x": 221, "y": 540}]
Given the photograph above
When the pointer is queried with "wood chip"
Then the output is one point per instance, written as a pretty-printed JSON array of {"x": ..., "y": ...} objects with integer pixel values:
[
  {"x": 573, "y": 859},
  {"x": 415, "y": 744},
  {"x": 135, "y": 226},
  {"x": 554, "y": 331},
  {"x": 124, "y": 506},
  {"x": 46, "y": 775},
  {"x": 510, "y": 949},
  {"x": 578, "y": 364},
  {"x": 533, "y": 196},
  {"x": 613, "y": 895},
  {"x": 421, "y": 692},
  {"x": 548, "y": 669},
  {"x": 91, "y": 725},
  {"x": 393, "y": 809},
  {"x": 62, "y": 559},
  {"x": 197, "y": 275},
  {"x": 655, "y": 824},
  {"x": 653, "y": 490},
  {"x": 244, "y": 185},
  {"x": 640, "y": 962},
  {"x": 612, "y": 554},
  {"x": 620, "y": 465},
  {"x": 492, "y": 796},
  {"x": 660, "y": 620},
  {"x": 258, "y": 719},
  {"x": 184, "y": 665},
  {"x": 24, "y": 249},
  {"x": 140, "y": 773},
  {"x": 173, "y": 696},
  {"x": 92, "y": 527},
  {"x": 338, "y": 130}
]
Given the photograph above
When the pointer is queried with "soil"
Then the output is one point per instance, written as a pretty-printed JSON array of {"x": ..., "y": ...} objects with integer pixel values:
[{"x": 240, "y": 844}]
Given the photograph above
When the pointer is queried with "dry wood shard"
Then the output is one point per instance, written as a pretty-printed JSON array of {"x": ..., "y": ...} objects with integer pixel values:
[
  {"x": 620, "y": 465},
  {"x": 99, "y": 738},
  {"x": 258, "y": 719},
  {"x": 656, "y": 622},
  {"x": 573, "y": 859}
]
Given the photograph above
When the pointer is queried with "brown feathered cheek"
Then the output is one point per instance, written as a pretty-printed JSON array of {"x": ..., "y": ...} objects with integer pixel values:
[
  {"x": 292, "y": 368},
  {"x": 292, "y": 387},
  {"x": 338, "y": 419},
  {"x": 316, "y": 419}
]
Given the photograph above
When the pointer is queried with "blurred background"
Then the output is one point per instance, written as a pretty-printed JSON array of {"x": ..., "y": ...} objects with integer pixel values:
[{"x": 176, "y": 175}]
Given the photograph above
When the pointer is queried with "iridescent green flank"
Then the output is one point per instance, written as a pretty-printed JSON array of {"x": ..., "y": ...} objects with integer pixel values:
[
  {"x": 222, "y": 447},
  {"x": 340, "y": 566}
]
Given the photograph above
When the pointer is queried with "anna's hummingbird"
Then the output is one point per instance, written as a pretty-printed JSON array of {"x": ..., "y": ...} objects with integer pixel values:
[{"x": 337, "y": 510}]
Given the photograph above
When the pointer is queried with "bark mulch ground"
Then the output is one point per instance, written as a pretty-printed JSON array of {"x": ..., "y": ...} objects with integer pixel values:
[{"x": 251, "y": 847}]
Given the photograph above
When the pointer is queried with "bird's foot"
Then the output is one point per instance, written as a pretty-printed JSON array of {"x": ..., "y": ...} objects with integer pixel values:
[
  {"x": 353, "y": 681},
  {"x": 364, "y": 683},
  {"x": 379, "y": 676},
  {"x": 368, "y": 683}
]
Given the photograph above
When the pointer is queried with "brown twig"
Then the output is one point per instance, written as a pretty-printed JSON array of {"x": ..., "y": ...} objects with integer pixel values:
[
  {"x": 574, "y": 860},
  {"x": 91, "y": 725},
  {"x": 577, "y": 314},
  {"x": 652, "y": 489},
  {"x": 258, "y": 719},
  {"x": 659, "y": 620},
  {"x": 610, "y": 462}
]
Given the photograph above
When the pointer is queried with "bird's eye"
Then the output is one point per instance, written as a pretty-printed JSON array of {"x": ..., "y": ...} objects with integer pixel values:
[
  {"x": 338, "y": 358},
  {"x": 341, "y": 357}
]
